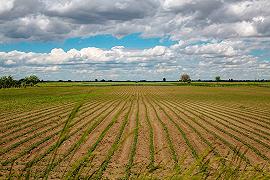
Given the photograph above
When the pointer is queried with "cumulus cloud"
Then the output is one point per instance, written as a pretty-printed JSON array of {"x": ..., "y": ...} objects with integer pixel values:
[
  {"x": 213, "y": 36},
  {"x": 119, "y": 62},
  {"x": 223, "y": 49},
  {"x": 83, "y": 56},
  {"x": 47, "y": 20}
]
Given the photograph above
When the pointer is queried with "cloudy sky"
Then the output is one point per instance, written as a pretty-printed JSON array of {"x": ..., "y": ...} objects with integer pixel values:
[{"x": 135, "y": 39}]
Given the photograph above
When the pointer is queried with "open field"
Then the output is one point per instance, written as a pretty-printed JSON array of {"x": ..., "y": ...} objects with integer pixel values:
[
  {"x": 135, "y": 132},
  {"x": 157, "y": 83}
]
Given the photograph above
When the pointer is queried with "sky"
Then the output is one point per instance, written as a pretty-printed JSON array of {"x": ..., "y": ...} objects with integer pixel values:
[{"x": 135, "y": 39}]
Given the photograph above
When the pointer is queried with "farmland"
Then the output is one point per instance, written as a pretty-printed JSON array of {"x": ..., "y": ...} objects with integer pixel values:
[{"x": 134, "y": 132}]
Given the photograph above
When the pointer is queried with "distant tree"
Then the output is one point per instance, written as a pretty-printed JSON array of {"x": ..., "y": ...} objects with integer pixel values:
[
  {"x": 7, "y": 82},
  {"x": 96, "y": 80},
  {"x": 217, "y": 78},
  {"x": 31, "y": 80},
  {"x": 164, "y": 79},
  {"x": 185, "y": 78},
  {"x": 103, "y": 80}
]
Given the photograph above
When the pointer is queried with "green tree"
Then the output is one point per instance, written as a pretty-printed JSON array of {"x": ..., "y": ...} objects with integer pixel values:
[
  {"x": 217, "y": 78},
  {"x": 7, "y": 82},
  {"x": 31, "y": 80}
]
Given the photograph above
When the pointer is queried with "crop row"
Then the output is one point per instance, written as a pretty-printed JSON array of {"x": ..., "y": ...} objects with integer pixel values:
[{"x": 80, "y": 163}]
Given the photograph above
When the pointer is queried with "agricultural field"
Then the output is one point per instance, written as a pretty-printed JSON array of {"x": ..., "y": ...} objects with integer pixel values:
[{"x": 130, "y": 132}]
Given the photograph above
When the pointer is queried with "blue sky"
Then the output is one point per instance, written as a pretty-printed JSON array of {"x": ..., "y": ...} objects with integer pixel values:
[{"x": 132, "y": 41}]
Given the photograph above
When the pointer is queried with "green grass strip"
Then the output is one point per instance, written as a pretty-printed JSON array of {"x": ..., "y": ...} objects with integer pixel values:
[
  {"x": 151, "y": 165},
  {"x": 134, "y": 145},
  {"x": 64, "y": 133}
]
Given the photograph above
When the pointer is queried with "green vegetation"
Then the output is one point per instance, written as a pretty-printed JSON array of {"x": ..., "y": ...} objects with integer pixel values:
[
  {"x": 168, "y": 139},
  {"x": 24, "y": 99},
  {"x": 218, "y": 78},
  {"x": 80, "y": 163},
  {"x": 151, "y": 165},
  {"x": 178, "y": 132},
  {"x": 134, "y": 145},
  {"x": 164, "y": 83},
  {"x": 9, "y": 82}
]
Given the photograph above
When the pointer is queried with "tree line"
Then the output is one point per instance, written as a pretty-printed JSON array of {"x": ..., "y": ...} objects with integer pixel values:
[{"x": 9, "y": 81}]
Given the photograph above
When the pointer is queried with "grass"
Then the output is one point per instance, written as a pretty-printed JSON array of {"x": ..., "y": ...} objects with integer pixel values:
[
  {"x": 34, "y": 98},
  {"x": 23, "y": 99}
]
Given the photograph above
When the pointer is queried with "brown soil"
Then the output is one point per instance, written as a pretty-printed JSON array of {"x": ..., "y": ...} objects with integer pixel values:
[{"x": 199, "y": 120}]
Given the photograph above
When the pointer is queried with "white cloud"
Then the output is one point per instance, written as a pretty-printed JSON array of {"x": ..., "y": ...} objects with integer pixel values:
[
  {"x": 245, "y": 29},
  {"x": 6, "y": 5},
  {"x": 201, "y": 60},
  {"x": 179, "y": 19},
  {"x": 9, "y": 62}
]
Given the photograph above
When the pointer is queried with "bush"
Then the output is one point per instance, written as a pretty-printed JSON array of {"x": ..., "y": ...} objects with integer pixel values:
[
  {"x": 9, "y": 82},
  {"x": 185, "y": 78}
]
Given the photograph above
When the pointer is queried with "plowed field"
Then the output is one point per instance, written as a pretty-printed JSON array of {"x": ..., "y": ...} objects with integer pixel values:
[{"x": 136, "y": 131}]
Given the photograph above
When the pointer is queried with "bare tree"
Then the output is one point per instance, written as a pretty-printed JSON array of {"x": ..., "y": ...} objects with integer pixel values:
[{"x": 185, "y": 78}]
